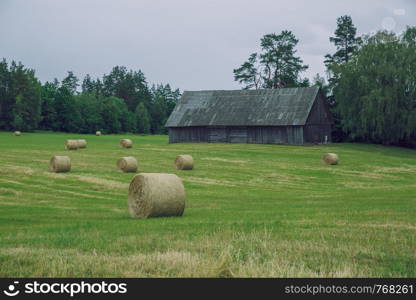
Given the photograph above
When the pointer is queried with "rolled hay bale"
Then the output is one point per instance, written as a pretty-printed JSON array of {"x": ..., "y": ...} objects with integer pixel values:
[
  {"x": 156, "y": 195},
  {"x": 71, "y": 145},
  {"x": 98, "y": 133},
  {"x": 126, "y": 143},
  {"x": 17, "y": 133},
  {"x": 127, "y": 164},
  {"x": 184, "y": 162},
  {"x": 82, "y": 143},
  {"x": 330, "y": 158},
  {"x": 60, "y": 164}
]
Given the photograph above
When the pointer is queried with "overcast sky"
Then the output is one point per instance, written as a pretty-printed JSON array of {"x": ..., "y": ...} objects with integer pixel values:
[{"x": 191, "y": 44}]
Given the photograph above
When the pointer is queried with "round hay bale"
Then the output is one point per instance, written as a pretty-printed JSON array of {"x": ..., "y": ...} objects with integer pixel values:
[
  {"x": 127, "y": 164},
  {"x": 17, "y": 133},
  {"x": 82, "y": 143},
  {"x": 126, "y": 143},
  {"x": 59, "y": 164},
  {"x": 330, "y": 158},
  {"x": 184, "y": 162},
  {"x": 156, "y": 195},
  {"x": 71, "y": 145},
  {"x": 98, "y": 133}
]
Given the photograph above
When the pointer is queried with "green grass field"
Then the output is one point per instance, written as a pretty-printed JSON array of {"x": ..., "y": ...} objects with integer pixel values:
[{"x": 251, "y": 211}]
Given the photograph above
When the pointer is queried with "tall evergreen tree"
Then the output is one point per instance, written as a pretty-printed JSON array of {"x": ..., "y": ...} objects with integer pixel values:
[
  {"x": 128, "y": 85},
  {"x": 143, "y": 119},
  {"x": 70, "y": 82},
  {"x": 277, "y": 66},
  {"x": 345, "y": 41}
]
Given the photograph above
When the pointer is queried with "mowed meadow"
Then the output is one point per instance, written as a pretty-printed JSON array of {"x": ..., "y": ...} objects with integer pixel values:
[{"x": 251, "y": 211}]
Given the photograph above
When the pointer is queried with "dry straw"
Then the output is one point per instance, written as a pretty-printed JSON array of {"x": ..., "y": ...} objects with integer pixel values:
[
  {"x": 97, "y": 133},
  {"x": 71, "y": 145},
  {"x": 126, "y": 143},
  {"x": 82, "y": 143},
  {"x": 184, "y": 162},
  {"x": 17, "y": 133},
  {"x": 330, "y": 158},
  {"x": 127, "y": 164},
  {"x": 156, "y": 195},
  {"x": 59, "y": 164}
]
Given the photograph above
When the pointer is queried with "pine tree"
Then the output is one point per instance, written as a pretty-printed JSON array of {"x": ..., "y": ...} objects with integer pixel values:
[
  {"x": 345, "y": 40},
  {"x": 277, "y": 66}
]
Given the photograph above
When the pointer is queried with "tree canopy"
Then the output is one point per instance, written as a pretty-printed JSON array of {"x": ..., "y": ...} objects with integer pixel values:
[
  {"x": 277, "y": 66},
  {"x": 119, "y": 102}
]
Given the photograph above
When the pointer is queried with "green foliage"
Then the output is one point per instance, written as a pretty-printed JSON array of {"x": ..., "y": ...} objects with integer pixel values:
[
  {"x": 345, "y": 40},
  {"x": 163, "y": 102},
  {"x": 248, "y": 74},
  {"x": 143, "y": 120},
  {"x": 277, "y": 66},
  {"x": 70, "y": 82},
  {"x": 20, "y": 97},
  {"x": 376, "y": 90},
  {"x": 110, "y": 105},
  {"x": 347, "y": 44}
]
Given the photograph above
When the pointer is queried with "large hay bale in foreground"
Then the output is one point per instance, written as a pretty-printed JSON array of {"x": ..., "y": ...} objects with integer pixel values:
[
  {"x": 330, "y": 158},
  {"x": 156, "y": 195},
  {"x": 71, "y": 145},
  {"x": 98, "y": 133},
  {"x": 127, "y": 164},
  {"x": 82, "y": 143},
  {"x": 17, "y": 133},
  {"x": 184, "y": 162},
  {"x": 59, "y": 164},
  {"x": 126, "y": 143}
]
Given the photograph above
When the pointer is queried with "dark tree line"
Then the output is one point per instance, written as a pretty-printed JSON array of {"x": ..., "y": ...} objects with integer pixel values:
[
  {"x": 370, "y": 85},
  {"x": 118, "y": 102}
]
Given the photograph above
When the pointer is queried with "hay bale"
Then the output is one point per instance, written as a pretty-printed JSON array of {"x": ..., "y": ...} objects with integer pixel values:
[
  {"x": 330, "y": 158},
  {"x": 184, "y": 162},
  {"x": 82, "y": 143},
  {"x": 127, "y": 164},
  {"x": 71, "y": 145},
  {"x": 156, "y": 195},
  {"x": 98, "y": 133},
  {"x": 59, "y": 164},
  {"x": 17, "y": 133},
  {"x": 126, "y": 143}
]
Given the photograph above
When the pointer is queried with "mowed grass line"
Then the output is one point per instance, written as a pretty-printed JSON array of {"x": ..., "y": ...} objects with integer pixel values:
[{"x": 251, "y": 211}]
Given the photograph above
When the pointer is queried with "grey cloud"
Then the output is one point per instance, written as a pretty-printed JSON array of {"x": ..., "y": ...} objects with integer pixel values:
[{"x": 189, "y": 44}]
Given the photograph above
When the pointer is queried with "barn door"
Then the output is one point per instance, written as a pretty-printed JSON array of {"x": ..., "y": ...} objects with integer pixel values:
[{"x": 217, "y": 135}]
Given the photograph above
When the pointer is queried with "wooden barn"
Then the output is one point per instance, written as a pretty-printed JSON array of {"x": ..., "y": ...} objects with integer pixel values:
[{"x": 273, "y": 116}]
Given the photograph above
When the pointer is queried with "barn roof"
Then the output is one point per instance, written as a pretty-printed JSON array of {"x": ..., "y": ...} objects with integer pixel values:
[{"x": 271, "y": 107}]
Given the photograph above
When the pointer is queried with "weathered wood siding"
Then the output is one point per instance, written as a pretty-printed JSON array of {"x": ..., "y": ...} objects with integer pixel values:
[
  {"x": 318, "y": 128},
  {"x": 275, "y": 135},
  {"x": 237, "y": 135},
  {"x": 317, "y": 134},
  {"x": 188, "y": 135},
  {"x": 251, "y": 134}
]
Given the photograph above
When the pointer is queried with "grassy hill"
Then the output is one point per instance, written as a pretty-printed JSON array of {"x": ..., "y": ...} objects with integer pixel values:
[{"x": 252, "y": 210}]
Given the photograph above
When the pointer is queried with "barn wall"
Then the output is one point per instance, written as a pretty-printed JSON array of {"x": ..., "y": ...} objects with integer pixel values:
[
  {"x": 251, "y": 134},
  {"x": 188, "y": 134},
  {"x": 275, "y": 135},
  {"x": 318, "y": 133}
]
